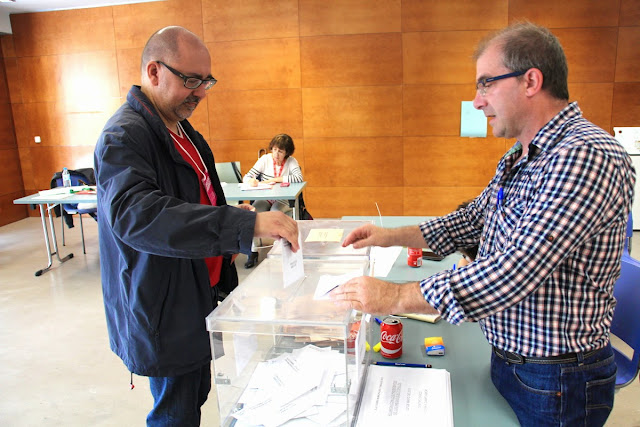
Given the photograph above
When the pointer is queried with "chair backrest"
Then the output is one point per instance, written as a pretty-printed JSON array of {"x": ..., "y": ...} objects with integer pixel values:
[
  {"x": 626, "y": 319},
  {"x": 629, "y": 233},
  {"x": 229, "y": 172}
]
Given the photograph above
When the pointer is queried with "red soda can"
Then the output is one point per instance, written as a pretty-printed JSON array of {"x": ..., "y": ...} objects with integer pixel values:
[
  {"x": 391, "y": 338},
  {"x": 414, "y": 257}
]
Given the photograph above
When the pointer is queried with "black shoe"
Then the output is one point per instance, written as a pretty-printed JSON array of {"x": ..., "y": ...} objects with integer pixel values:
[{"x": 252, "y": 260}]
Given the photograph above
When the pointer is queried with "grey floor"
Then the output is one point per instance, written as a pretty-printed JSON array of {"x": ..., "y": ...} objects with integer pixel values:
[{"x": 56, "y": 368}]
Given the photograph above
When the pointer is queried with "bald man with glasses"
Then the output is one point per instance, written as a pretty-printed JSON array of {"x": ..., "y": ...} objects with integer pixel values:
[{"x": 167, "y": 238}]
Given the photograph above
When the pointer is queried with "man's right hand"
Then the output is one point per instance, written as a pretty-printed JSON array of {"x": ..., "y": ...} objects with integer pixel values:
[
  {"x": 368, "y": 235},
  {"x": 276, "y": 224}
]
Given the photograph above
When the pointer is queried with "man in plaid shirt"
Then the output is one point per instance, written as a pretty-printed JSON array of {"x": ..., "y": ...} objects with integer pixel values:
[{"x": 550, "y": 227}]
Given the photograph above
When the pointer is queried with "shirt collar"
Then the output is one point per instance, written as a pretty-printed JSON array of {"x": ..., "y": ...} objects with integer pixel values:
[{"x": 546, "y": 137}]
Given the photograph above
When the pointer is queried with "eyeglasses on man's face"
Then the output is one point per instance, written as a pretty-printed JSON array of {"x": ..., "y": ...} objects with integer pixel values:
[
  {"x": 483, "y": 84},
  {"x": 189, "y": 81}
]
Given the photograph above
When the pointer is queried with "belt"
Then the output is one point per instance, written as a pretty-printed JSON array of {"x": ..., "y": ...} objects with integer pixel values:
[{"x": 550, "y": 360}]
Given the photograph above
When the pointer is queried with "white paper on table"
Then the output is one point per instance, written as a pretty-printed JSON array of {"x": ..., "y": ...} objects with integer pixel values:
[
  {"x": 406, "y": 396},
  {"x": 383, "y": 259},
  {"x": 327, "y": 283},
  {"x": 245, "y": 346},
  {"x": 292, "y": 265},
  {"x": 261, "y": 186}
]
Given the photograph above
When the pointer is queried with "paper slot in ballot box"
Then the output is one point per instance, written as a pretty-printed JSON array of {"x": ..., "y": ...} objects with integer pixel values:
[{"x": 279, "y": 354}]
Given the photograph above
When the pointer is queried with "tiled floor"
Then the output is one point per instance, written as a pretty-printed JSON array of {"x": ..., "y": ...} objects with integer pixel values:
[{"x": 56, "y": 368}]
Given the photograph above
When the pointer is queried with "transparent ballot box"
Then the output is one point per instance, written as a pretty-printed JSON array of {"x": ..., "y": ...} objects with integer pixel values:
[
  {"x": 281, "y": 355},
  {"x": 322, "y": 239}
]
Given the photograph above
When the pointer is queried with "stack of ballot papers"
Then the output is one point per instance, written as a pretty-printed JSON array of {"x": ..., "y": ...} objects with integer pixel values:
[
  {"x": 401, "y": 396},
  {"x": 304, "y": 388}
]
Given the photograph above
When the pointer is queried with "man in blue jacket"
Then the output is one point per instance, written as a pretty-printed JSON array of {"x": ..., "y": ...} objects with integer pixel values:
[{"x": 167, "y": 237}]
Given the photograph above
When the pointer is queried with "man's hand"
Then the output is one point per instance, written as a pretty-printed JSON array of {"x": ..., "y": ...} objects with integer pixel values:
[
  {"x": 375, "y": 296},
  {"x": 246, "y": 207},
  {"x": 368, "y": 235},
  {"x": 276, "y": 224}
]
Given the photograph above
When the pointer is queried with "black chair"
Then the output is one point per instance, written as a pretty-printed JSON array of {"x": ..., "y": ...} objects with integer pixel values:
[{"x": 78, "y": 178}]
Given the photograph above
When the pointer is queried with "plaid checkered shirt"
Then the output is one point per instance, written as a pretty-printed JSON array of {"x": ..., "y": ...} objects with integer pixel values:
[{"x": 542, "y": 284}]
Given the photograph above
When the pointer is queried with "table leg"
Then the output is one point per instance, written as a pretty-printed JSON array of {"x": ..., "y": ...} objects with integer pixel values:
[
  {"x": 53, "y": 237},
  {"x": 296, "y": 209}
]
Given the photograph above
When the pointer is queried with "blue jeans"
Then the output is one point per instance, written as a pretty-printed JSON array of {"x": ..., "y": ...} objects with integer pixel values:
[
  {"x": 567, "y": 394},
  {"x": 177, "y": 400}
]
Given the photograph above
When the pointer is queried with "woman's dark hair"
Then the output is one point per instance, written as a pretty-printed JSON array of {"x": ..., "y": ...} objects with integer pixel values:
[{"x": 283, "y": 142}]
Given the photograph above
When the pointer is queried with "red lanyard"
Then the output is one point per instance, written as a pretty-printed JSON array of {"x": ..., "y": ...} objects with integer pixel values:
[{"x": 275, "y": 168}]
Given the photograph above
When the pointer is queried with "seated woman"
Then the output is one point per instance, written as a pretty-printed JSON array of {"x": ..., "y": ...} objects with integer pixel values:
[{"x": 276, "y": 166}]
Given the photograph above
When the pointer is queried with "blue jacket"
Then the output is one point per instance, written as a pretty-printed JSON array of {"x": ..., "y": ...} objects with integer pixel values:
[{"x": 154, "y": 235}]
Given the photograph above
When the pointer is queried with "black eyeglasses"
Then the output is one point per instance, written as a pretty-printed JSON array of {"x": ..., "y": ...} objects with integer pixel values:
[
  {"x": 191, "y": 82},
  {"x": 481, "y": 85}
]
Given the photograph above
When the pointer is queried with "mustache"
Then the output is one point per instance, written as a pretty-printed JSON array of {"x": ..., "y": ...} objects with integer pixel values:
[{"x": 192, "y": 99}]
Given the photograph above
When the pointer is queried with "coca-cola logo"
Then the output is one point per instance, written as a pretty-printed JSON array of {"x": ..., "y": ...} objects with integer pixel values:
[{"x": 391, "y": 338}]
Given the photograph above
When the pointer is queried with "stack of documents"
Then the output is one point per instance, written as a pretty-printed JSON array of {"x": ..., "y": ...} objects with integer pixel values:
[
  {"x": 400, "y": 396},
  {"x": 304, "y": 387}
]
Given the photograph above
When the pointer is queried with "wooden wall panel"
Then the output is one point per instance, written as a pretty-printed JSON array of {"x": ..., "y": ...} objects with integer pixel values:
[
  {"x": 453, "y": 15},
  {"x": 352, "y": 111},
  {"x": 246, "y": 152},
  {"x": 129, "y": 72},
  {"x": 57, "y": 77},
  {"x": 582, "y": 46},
  {"x": 434, "y": 201},
  {"x": 628, "y": 57},
  {"x": 13, "y": 79},
  {"x": 629, "y": 13},
  {"x": 57, "y": 125},
  {"x": 26, "y": 165},
  {"x": 7, "y": 47},
  {"x": 63, "y": 32},
  {"x": 10, "y": 173},
  {"x": 595, "y": 100},
  {"x": 224, "y": 20},
  {"x": 331, "y": 202},
  {"x": 319, "y": 17},
  {"x": 256, "y": 64},
  {"x": 626, "y": 104},
  {"x": 351, "y": 60},
  {"x": 451, "y": 161},
  {"x": 255, "y": 114},
  {"x": 354, "y": 162},
  {"x": 133, "y": 24},
  {"x": 440, "y": 57},
  {"x": 45, "y": 161},
  {"x": 8, "y": 211},
  {"x": 565, "y": 14},
  {"x": 434, "y": 109},
  {"x": 7, "y": 132}
]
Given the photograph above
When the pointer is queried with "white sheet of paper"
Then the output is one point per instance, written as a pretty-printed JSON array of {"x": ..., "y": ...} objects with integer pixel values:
[
  {"x": 261, "y": 186},
  {"x": 406, "y": 396},
  {"x": 382, "y": 259},
  {"x": 327, "y": 283},
  {"x": 292, "y": 265}
]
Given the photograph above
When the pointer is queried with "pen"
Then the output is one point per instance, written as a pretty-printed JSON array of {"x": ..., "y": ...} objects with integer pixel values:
[
  {"x": 454, "y": 267},
  {"x": 407, "y": 365},
  {"x": 378, "y": 321},
  {"x": 326, "y": 293},
  {"x": 500, "y": 197}
]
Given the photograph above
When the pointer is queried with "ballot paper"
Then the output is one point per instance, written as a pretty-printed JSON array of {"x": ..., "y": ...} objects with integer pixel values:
[
  {"x": 406, "y": 397},
  {"x": 292, "y": 265},
  {"x": 294, "y": 388},
  {"x": 327, "y": 283},
  {"x": 382, "y": 259}
]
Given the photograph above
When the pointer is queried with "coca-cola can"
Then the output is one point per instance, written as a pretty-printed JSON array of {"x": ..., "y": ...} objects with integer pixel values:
[
  {"x": 391, "y": 338},
  {"x": 414, "y": 257}
]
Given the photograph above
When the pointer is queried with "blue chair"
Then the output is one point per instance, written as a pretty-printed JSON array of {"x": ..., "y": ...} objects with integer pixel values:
[
  {"x": 626, "y": 319},
  {"x": 72, "y": 208}
]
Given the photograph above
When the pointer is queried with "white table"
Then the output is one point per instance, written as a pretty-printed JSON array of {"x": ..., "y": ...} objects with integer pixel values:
[
  {"x": 232, "y": 192},
  {"x": 46, "y": 204}
]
